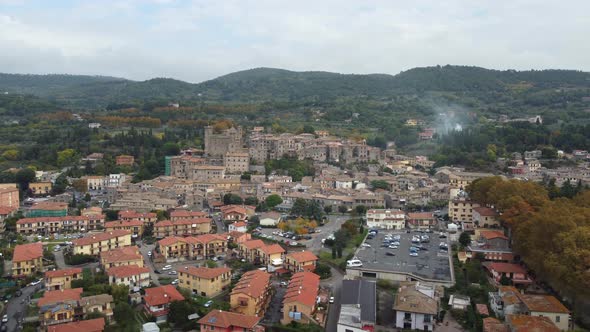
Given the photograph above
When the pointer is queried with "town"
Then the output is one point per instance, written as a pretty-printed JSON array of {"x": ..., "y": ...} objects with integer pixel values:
[{"x": 260, "y": 231}]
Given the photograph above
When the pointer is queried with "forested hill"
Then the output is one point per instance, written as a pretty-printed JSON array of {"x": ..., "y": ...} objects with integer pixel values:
[{"x": 267, "y": 84}]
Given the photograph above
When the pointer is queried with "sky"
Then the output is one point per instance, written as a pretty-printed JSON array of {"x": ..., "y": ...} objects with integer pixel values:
[{"x": 200, "y": 40}]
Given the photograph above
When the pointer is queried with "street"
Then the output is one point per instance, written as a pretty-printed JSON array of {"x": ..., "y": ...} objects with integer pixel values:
[
  {"x": 335, "y": 283},
  {"x": 148, "y": 261},
  {"x": 16, "y": 308}
]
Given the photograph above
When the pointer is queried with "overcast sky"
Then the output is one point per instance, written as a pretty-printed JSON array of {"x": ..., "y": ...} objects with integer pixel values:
[{"x": 200, "y": 40}]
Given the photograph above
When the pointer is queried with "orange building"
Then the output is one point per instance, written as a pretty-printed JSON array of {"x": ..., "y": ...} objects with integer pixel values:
[
  {"x": 124, "y": 160},
  {"x": 9, "y": 196}
]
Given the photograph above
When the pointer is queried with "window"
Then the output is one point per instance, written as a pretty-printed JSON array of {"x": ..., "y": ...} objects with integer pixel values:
[
  {"x": 427, "y": 318},
  {"x": 557, "y": 318}
]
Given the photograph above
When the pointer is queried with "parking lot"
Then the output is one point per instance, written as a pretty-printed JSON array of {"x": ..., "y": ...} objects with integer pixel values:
[{"x": 430, "y": 263}]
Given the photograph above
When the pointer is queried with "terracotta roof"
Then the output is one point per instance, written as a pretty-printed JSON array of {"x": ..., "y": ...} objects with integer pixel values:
[
  {"x": 409, "y": 299},
  {"x": 161, "y": 295},
  {"x": 253, "y": 244},
  {"x": 272, "y": 215},
  {"x": 204, "y": 272},
  {"x": 27, "y": 252},
  {"x": 95, "y": 238},
  {"x": 420, "y": 215},
  {"x": 234, "y": 209},
  {"x": 121, "y": 254},
  {"x": 7, "y": 209},
  {"x": 236, "y": 234},
  {"x": 171, "y": 240},
  {"x": 491, "y": 324},
  {"x": 63, "y": 273},
  {"x": 505, "y": 267},
  {"x": 302, "y": 256},
  {"x": 485, "y": 211},
  {"x": 91, "y": 325},
  {"x": 525, "y": 323},
  {"x": 253, "y": 283},
  {"x": 187, "y": 214},
  {"x": 127, "y": 271},
  {"x": 239, "y": 224},
  {"x": 482, "y": 309},
  {"x": 202, "y": 238},
  {"x": 225, "y": 319},
  {"x": 189, "y": 222},
  {"x": 136, "y": 215},
  {"x": 54, "y": 219},
  {"x": 543, "y": 303},
  {"x": 61, "y": 295},
  {"x": 123, "y": 223},
  {"x": 272, "y": 249},
  {"x": 493, "y": 235},
  {"x": 303, "y": 288},
  {"x": 510, "y": 295}
]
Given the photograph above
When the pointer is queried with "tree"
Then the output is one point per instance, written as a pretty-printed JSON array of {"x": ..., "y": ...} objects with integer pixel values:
[
  {"x": 361, "y": 210},
  {"x": 170, "y": 149},
  {"x": 342, "y": 209},
  {"x": 24, "y": 177},
  {"x": 60, "y": 185},
  {"x": 66, "y": 157},
  {"x": 179, "y": 312},
  {"x": 120, "y": 293},
  {"x": 125, "y": 316},
  {"x": 379, "y": 184},
  {"x": 328, "y": 209},
  {"x": 323, "y": 270},
  {"x": 211, "y": 264},
  {"x": 465, "y": 239},
  {"x": 232, "y": 199},
  {"x": 299, "y": 207},
  {"x": 309, "y": 129},
  {"x": 251, "y": 200},
  {"x": 11, "y": 154},
  {"x": 273, "y": 200},
  {"x": 87, "y": 197}
]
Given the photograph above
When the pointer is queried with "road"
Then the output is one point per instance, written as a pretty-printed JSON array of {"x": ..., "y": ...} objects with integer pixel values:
[
  {"x": 335, "y": 283},
  {"x": 144, "y": 249},
  {"x": 16, "y": 309},
  {"x": 333, "y": 224}
]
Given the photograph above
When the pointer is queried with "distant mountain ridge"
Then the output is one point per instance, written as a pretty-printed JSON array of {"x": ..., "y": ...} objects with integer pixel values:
[{"x": 263, "y": 84}]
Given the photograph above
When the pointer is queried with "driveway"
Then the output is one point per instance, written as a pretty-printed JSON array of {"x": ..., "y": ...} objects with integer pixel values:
[
  {"x": 16, "y": 309},
  {"x": 273, "y": 313}
]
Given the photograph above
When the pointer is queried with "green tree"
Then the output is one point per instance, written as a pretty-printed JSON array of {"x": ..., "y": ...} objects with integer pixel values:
[
  {"x": 328, "y": 209},
  {"x": 170, "y": 149},
  {"x": 342, "y": 209},
  {"x": 120, "y": 293},
  {"x": 125, "y": 317},
  {"x": 24, "y": 177},
  {"x": 273, "y": 200},
  {"x": 211, "y": 264},
  {"x": 309, "y": 129},
  {"x": 232, "y": 199},
  {"x": 179, "y": 312},
  {"x": 299, "y": 207},
  {"x": 361, "y": 210},
  {"x": 87, "y": 197},
  {"x": 251, "y": 200},
  {"x": 66, "y": 157},
  {"x": 379, "y": 184},
  {"x": 465, "y": 239}
]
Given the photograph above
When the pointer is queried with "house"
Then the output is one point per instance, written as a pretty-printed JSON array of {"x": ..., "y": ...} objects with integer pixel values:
[
  {"x": 493, "y": 245},
  {"x": 62, "y": 279},
  {"x": 91, "y": 325},
  {"x": 5, "y": 212},
  {"x": 157, "y": 301},
  {"x": 101, "y": 303},
  {"x": 130, "y": 275},
  {"x": 40, "y": 188},
  {"x": 27, "y": 259},
  {"x": 270, "y": 218},
  {"x": 459, "y": 302},
  {"x": 421, "y": 220},
  {"x": 135, "y": 226},
  {"x": 270, "y": 254},
  {"x": 182, "y": 227},
  {"x": 239, "y": 237},
  {"x": 185, "y": 214},
  {"x": 121, "y": 257},
  {"x": 248, "y": 250},
  {"x": 515, "y": 273},
  {"x": 58, "y": 306},
  {"x": 299, "y": 302},
  {"x": 358, "y": 310},
  {"x": 238, "y": 226},
  {"x": 234, "y": 213},
  {"x": 124, "y": 160},
  {"x": 546, "y": 306},
  {"x": 386, "y": 218},
  {"x": 300, "y": 261},
  {"x": 415, "y": 306},
  {"x": 192, "y": 247},
  {"x": 251, "y": 295},
  {"x": 50, "y": 225},
  {"x": 48, "y": 209},
  {"x": 491, "y": 324},
  {"x": 94, "y": 244},
  {"x": 485, "y": 217},
  {"x": 9, "y": 195},
  {"x": 525, "y": 323},
  {"x": 461, "y": 209},
  {"x": 506, "y": 301},
  {"x": 146, "y": 218},
  {"x": 95, "y": 182},
  {"x": 204, "y": 281},
  {"x": 217, "y": 320}
]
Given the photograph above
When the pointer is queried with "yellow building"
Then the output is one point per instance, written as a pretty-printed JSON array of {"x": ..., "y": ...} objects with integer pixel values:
[
  {"x": 193, "y": 247},
  {"x": 204, "y": 281},
  {"x": 301, "y": 261},
  {"x": 121, "y": 257},
  {"x": 301, "y": 297},
  {"x": 62, "y": 279},
  {"x": 57, "y": 307},
  {"x": 94, "y": 244},
  {"x": 461, "y": 209},
  {"x": 135, "y": 226},
  {"x": 41, "y": 188},
  {"x": 251, "y": 295},
  {"x": 27, "y": 259},
  {"x": 182, "y": 227}
]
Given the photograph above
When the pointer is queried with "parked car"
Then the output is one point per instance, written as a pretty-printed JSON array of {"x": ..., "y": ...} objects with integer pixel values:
[
  {"x": 174, "y": 282},
  {"x": 284, "y": 284},
  {"x": 167, "y": 267},
  {"x": 172, "y": 272},
  {"x": 331, "y": 299},
  {"x": 208, "y": 304},
  {"x": 157, "y": 272},
  {"x": 149, "y": 253},
  {"x": 413, "y": 254},
  {"x": 389, "y": 253},
  {"x": 366, "y": 245}
]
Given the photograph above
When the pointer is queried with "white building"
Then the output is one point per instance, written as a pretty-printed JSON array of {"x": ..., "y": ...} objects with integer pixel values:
[
  {"x": 131, "y": 276},
  {"x": 238, "y": 226},
  {"x": 116, "y": 180},
  {"x": 416, "y": 307},
  {"x": 386, "y": 218},
  {"x": 270, "y": 219}
]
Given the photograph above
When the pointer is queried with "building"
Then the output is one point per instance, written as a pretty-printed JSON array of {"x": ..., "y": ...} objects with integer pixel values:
[
  {"x": 62, "y": 279},
  {"x": 94, "y": 244},
  {"x": 146, "y": 218},
  {"x": 506, "y": 301},
  {"x": 9, "y": 195},
  {"x": 65, "y": 224},
  {"x": 416, "y": 307},
  {"x": 134, "y": 226},
  {"x": 48, "y": 209},
  {"x": 270, "y": 254},
  {"x": 509, "y": 271},
  {"x": 58, "y": 306},
  {"x": 238, "y": 226},
  {"x": 546, "y": 306},
  {"x": 251, "y": 295},
  {"x": 157, "y": 301},
  {"x": 193, "y": 247},
  {"x": 300, "y": 299},
  {"x": 115, "y": 180},
  {"x": 176, "y": 215},
  {"x": 204, "y": 281},
  {"x": 182, "y": 227},
  {"x": 133, "y": 276},
  {"x": 461, "y": 209},
  {"x": 91, "y": 325},
  {"x": 249, "y": 250},
  {"x": 27, "y": 259},
  {"x": 493, "y": 245},
  {"x": 224, "y": 321},
  {"x": 236, "y": 162},
  {"x": 270, "y": 218},
  {"x": 485, "y": 217},
  {"x": 234, "y": 213},
  {"x": 421, "y": 220},
  {"x": 358, "y": 310},
  {"x": 525, "y": 323},
  {"x": 386, "y": 218},
  {"x": 491, "y": 324},
  {"x": 5, "y": 212},
  {"x": 124, "y": 160},
  {"x": 459, "y": 302},
  {"x": 40, "y": 188},
  {"x": 101, "y": 303},
  {"x": 301, "y": 261},
  {"x": 121, "y": 257},
  {"x": 95, "y": 183},
  {"x": 220, "y": 142}
]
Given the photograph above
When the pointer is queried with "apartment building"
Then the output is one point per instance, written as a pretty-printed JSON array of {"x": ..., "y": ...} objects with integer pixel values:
[
  {"x": 217, "y": 320},
  {"x": 121, "y": 257},
  {"x": 300, "y": 261},
  {"x": 5, "y": 212},
  {"x": 204, "y": 281},
  {"x": 421, "y": 220},
  {"x": 176, "y": 215},
  {"x": 58, "y": 306},
  {"x": 48, "y": 209},
  {"x": 131, "y": 276},
  {"x": 65, "y": 224},
  {"x": 40, "y": 188},
  {"x": 203, "y": 246},
  {"x": 461, "y": 209},
  {"x": 300, "y": 299},
  {"x": 182, "y": 227},
  {"x": 251, "y": 295},
  {"x": 236, "y": 162},
  {"x": 181, "y": 166},
  {"x": 9, "y": 195},
  {"x": 27, "y": 259},
  {"x": 94, "y": 244},
  {"x": 62, "y": 279},
  {"x": 416, "y": 307},
  {"x": 146, "y": 217},
  {"x": 157, "y": 301},
  {"x": 386, "y": 218},
  {"x": 134, "y": 226},
  {"x": 95, "y": 182}
]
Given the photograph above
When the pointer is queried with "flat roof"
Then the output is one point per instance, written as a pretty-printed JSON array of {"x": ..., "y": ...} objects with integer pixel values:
[{"x": 363, "y": 293}]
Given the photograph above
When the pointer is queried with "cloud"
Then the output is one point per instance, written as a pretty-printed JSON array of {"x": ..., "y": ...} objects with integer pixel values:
[{"x": 199, "y": 40}]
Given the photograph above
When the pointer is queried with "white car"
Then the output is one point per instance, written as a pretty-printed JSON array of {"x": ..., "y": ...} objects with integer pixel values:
[
  {"x": 167, "y": 267},
  {"x": 5, "y": 319},
  {"x": 366, "y": 245},
  {"x": 414, "y": 254},
  {"x": 174, "y": 282},
  {"x": 331, "y": 299},
  {"x": 149, "y": 253},
  {"x": 36, "y": 282},
  {"x": 172, "y": 272}
]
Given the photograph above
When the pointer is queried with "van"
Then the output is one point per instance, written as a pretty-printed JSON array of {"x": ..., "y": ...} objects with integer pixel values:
[{"x": 354, "y": 263}]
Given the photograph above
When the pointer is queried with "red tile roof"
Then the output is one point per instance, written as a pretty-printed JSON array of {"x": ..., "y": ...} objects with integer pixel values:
[
  {"x": 171, "y": 240},
  {"x": 63, "y": 273},
  {"x": 61, "y": 295},
  {"x": 127, "y": 271},
  {"x": 95, "y": 238},
  {"x": 272, "y": 249},
  {"x": 5, "y": 210},
  {"x": 123, "y": 223},
  {"x": 303, "y": 288},
  {"x": 189, "y": 222},
  {"x": 187, "y": 214},
  {"x": 493, "y": 235},
  {"x": 27, "y": 252},
  {"x": 420, "y": 215},
  {"x": 485, "y": 211},
  {"x": 253, "y": 244},
  {"x": 543, "y": 303},
  {"x": 161, "y": 295},
  {"x": 91, "y": 325},
  {"x": 136, "y": 215},
  {"x": 525, "y": 323},
  {"x": 225, "y": 320},
  {"x": 253, "y": 283},
  {"x": 505, "y": 267},
  {"x": 302, "y": 256},
  {"x": 493, "y": 325},
  {"x": 120, "y": 254},
  {"x": 239, "y": 224},
  {"x": 50, "y": 206},
  {"x": 482, "y": 309},
  {"x": 204, "y": 272}
]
